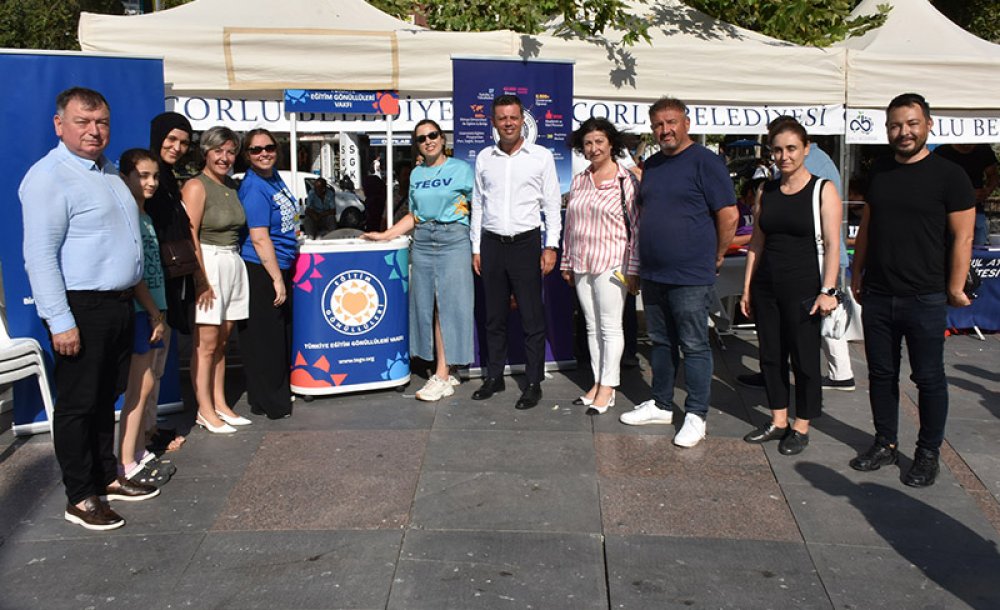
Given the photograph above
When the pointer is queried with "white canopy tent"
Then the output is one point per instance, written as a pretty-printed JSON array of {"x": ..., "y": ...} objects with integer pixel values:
[
  {"x": 919, "y": 49},
  {"x": 227, "y": 45}
]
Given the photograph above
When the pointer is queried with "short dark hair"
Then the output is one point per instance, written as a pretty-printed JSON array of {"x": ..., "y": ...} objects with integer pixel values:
[
  {"x": 88, "y": 98},
  {"x": 668, "y": 103},
  {"x": 131, "y": 157},
  {"x": 421, "y": 123},
  {"x": 785, "y": 123},
  {"x": 910, "y": 99},
  {"x": 507, "y": 99},
  {"x": 604, "y": 126}
]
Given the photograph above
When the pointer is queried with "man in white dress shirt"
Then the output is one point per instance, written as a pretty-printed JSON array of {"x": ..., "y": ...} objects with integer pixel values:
[{"x": 516, "y": 184}]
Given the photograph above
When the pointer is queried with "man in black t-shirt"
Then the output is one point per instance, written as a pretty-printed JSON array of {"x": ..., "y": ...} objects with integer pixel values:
[
  {"x": 910, "y": 261},
  {"x": 980, "y": 164}
]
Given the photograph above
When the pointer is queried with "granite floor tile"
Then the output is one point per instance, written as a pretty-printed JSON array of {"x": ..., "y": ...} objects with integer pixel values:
[
  {"x": 499, "y": 570},
  {"x": 382, "y": 410},
  {"x": 835, "y": 510},
  {"x": 500, "y": 501},
  {"x": 98, "y": 571},
  {"x": 216, "y": 455},
  {"x": 359, "y": 479},
  {"x": 184, "y": 505},
  {"x": 515, "y": 451},
  {"x": 887, "y": 578},
  {"x": 697, "y": 507},
  {"x": 26, "y": 470},
  {"x": 621, "y": 455},
  {"x": 498, "y": 413},
  {"x": 291, "y": 570},
  {"x": 661, "y": 572}
]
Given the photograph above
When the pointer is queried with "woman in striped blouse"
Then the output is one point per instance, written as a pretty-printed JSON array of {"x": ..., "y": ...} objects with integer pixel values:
[{"x": 599, "y": 256}]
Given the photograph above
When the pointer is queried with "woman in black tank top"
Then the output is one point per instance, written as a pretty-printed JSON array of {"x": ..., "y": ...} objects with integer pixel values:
[{"x": 783, "y": 289}]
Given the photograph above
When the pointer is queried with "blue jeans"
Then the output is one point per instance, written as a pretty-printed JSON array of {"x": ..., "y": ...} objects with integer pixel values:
[
  {"x": 921, "y": 321},
  {"x": 677, "y": 321},
  {"x": 981, "y": 234}
]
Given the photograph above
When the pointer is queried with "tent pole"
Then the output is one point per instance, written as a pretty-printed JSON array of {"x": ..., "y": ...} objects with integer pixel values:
[
  {"x": 294, "y": 146},
  {"x": 389, "y": 202}
]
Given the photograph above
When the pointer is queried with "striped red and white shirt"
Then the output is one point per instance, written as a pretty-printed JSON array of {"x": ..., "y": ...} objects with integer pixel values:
[{"x": 594, "y": 237}]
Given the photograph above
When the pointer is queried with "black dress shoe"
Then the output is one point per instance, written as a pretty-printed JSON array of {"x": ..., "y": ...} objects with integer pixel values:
[
  {"x": 491, "y": 386},
  {"x": 767, "y": 432},
  {"x": 94, "y": 515},
  {"x": 880, "y": 454},
  {"x": 924, "y": 470},
  {"x": 793, "y": 443},
  {"x": 532, "y": 394},
  {"x": 131, "y": 491}
]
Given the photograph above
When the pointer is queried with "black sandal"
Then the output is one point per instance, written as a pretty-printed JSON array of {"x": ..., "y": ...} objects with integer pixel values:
[{"x": 150, "y": 475}]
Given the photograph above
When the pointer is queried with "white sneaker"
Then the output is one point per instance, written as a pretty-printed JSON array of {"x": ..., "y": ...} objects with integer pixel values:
[
  {"x": 691, "y": 432},
  {"x": 645, "y": 414},
  {"x": 435, "y": 389},
  {"x": 453, "y": 382}
]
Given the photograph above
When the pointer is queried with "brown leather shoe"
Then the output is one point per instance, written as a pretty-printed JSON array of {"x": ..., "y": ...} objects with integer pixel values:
[
  {"x": 130, "y": 491},
  {"x": 93, "y": 515}
]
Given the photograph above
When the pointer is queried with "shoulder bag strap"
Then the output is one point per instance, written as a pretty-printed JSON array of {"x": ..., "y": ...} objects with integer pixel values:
[
  {"x": 817, "y": 198},
  {"x": 628, "y": 224}
]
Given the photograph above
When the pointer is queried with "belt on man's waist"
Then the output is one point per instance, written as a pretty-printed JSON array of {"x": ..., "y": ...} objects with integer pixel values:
[
  {"x": 111, "y": 295},
  {"x": 510, "y": 239}
]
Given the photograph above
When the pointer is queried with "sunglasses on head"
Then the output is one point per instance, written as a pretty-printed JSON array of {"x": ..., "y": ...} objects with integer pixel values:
[
  {"x": 433, "y": 135},
  {"x": 256, "y": 150}
]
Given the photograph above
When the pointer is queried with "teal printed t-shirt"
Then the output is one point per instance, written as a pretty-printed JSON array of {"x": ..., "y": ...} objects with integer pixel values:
[
  {"x": 442, "y": 193},
  {"x": 152, "y": 269}
]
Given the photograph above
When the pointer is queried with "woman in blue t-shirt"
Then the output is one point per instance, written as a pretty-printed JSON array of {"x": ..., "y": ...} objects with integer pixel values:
[
  {"x": 441, "y": 321},
  {"x": 269, "y": 252}
]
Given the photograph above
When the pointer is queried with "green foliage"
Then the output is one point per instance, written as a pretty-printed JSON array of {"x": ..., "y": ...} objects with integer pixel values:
[
  {"x": 981, "y": 17},
  {"x": 41, "y": 24},
  {"x": 809, "y": 22},
  {"x": 580, "y": 17}
]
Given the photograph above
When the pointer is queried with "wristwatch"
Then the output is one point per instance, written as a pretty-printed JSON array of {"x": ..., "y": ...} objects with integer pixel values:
[{"x": 833, "y": 292}]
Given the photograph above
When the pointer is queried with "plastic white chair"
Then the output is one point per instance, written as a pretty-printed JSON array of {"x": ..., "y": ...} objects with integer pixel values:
[{"x": 20, "y": 358}]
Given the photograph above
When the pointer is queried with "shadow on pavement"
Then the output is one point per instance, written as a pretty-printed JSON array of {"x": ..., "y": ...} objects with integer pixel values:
[{"x": 956, "y": 558}]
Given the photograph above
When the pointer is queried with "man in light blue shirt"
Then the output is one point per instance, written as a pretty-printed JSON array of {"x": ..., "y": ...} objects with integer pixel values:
[
  {"x": 83, "y": 255},
  {"x": 321, "y": 210}
]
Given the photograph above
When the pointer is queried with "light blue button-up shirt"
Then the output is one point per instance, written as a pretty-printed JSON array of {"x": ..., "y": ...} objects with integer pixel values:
[{"x": 81, "y": 232}]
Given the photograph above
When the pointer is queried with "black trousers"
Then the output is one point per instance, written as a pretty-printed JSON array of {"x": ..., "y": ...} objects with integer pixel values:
[
  {"x": 786, "y": 331},
  {"x": 266, "y": 343},
  {"x": 87, "y": 386},
  {"x": 513, "y": 267}
]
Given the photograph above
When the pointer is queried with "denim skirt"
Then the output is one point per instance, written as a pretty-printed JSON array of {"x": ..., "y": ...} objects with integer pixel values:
[{"x": 441, "y": 270}]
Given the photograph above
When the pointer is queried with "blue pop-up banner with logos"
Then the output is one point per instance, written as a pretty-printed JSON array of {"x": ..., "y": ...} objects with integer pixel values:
[
  {"x": 134, "y": 90},
  {"x": 545, "y": 89},
  {"x": 350, "y": 316},
  {"x": 342, "y": 101}
]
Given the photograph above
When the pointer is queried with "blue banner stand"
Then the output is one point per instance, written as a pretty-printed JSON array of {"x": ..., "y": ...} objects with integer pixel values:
[{"x": 134, "y": 89}]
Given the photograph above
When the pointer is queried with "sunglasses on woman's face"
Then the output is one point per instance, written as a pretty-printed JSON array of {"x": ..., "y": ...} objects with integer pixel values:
[
  {"x": 433, "y": 135},
  {"x": 256, "y": 150}
]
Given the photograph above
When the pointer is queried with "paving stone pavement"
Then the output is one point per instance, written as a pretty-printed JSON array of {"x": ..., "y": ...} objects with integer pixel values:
[{"x": 377, "y": 500}]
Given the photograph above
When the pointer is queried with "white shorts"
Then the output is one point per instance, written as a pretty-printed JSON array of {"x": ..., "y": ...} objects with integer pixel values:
[{"x": 228, "y": 277}]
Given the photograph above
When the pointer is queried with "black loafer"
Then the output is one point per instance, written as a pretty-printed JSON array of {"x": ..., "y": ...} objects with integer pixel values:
[
  {"x": 131, "y": 491},
  {"x": 491, "y": 386},
  {"x": 793, "y": 443},
  {"x": 924, "y": 470},
  {"x": 532, "y": 394},
  {"x": 878, "y": 455},
  {"x": 95, "y": 515},
  {"x": 768, "y": 432}
]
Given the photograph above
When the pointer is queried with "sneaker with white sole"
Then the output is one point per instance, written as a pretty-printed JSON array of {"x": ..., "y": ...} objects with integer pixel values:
[
  {"x": 691, "y": 432},
  {"x": 453, "y": 382},
  {"x": 646, "y": 413},
  {"x": 435, "y": 389}
]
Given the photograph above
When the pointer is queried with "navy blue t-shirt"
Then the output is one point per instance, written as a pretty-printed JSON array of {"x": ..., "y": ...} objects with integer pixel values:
[{"x": 679, "y": 195}]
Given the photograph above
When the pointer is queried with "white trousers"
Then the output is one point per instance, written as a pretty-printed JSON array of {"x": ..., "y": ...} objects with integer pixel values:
[
  {"x": 602, "y": 299},
  {"x": 838, "y": 359}
]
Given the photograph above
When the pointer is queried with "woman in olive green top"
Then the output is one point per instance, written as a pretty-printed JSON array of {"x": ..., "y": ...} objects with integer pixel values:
[{"x": 222, "y": 292}]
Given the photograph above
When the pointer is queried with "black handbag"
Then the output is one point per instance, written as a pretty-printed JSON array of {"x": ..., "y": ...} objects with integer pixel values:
[
  {"x": 972, "y": 284},
  {"x": 178, "y": 258}
]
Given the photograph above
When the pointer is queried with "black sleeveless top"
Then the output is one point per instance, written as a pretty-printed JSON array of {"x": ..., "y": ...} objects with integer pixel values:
[{"x": 790, "y": 240}]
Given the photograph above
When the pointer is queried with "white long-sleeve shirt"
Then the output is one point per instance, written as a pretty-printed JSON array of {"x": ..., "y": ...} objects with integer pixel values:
[{"x": 512, "y": 192}]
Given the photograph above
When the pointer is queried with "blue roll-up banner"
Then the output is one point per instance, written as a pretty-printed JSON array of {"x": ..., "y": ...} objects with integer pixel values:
[
  {"x": 350, "y": 316},
  {"x": 134, "y": 90},
  {"x": 545, "y": 89}
]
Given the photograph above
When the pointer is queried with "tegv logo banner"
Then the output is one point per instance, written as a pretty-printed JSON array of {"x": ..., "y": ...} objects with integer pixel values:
[
  {"x": 342, "y": 102},
  {"x": 545, "y": 89}
]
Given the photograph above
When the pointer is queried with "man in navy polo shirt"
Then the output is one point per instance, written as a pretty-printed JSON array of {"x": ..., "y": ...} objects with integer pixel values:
[{"x": 689, "y": 217}]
